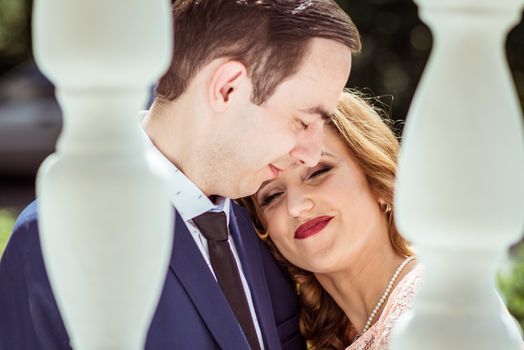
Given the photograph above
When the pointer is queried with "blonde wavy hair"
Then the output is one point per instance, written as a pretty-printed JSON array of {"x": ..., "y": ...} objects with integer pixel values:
[{"x": 375, "y": 148}]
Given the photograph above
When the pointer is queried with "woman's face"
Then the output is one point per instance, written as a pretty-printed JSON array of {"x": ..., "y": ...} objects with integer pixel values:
[{"x": 322, "y": 219}]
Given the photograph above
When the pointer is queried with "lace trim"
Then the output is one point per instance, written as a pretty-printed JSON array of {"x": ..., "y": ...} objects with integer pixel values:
[{"x": 401, "y": 300}]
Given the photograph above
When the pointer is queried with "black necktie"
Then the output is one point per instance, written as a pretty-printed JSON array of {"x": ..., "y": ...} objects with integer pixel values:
[{"x": 214, "y": 228}]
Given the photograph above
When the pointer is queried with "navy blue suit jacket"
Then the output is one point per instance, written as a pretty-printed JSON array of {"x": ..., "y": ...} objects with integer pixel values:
[{"x": 192, "y": 312}]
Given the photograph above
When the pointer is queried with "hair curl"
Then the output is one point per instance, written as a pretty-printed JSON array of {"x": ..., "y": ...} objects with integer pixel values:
[{"x": 375, "y": 148}]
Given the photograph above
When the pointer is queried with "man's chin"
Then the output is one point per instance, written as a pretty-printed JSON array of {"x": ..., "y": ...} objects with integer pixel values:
[{"x": 245, "y": 191}]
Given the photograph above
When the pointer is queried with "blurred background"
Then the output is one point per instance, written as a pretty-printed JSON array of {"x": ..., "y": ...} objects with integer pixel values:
[{"x": 396, "y": 46}]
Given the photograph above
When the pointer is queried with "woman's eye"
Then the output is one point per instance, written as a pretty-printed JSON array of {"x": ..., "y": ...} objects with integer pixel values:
[
  {"x": 319, "y": 172},
  {"x": 270, "y": 198}
]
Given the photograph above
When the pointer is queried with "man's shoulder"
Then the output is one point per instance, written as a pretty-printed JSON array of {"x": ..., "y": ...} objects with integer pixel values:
[
  {"x": 25, "y": 231},
  {"x": 28, "y": 216}
]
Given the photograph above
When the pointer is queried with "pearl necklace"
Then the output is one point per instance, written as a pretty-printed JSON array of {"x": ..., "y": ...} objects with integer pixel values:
[{"x": 384, "y": 296}]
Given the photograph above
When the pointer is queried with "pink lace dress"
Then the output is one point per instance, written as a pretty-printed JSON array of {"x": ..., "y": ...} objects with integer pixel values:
[{"x": 401, "y": 299}]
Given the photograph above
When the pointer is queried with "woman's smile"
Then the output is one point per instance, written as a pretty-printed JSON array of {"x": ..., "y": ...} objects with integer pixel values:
[{"x": 312, "y": 227}]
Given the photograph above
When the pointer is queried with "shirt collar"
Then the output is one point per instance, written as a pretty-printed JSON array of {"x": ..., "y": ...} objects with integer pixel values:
[{"x": 188, "y": 199}]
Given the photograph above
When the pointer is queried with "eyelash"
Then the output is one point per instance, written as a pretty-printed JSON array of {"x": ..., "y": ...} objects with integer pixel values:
[
  {"x": 323, "y": 169},
  {"x": 268, "y": 199}
]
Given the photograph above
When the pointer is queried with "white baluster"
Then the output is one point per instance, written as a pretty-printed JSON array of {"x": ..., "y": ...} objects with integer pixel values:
[
  {"x": 460, "y": 186},
  {"x": 105, "y": 218}
]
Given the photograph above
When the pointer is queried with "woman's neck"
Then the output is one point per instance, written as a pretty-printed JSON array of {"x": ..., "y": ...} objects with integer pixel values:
[{"x": 358, "y": 288}]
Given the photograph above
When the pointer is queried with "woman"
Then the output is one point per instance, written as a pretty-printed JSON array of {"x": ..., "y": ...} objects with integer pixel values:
[{"x": 332, "y": 226}]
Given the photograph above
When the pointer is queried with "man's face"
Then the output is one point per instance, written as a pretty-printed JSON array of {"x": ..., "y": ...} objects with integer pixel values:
[{"x": 287, "y": 128}]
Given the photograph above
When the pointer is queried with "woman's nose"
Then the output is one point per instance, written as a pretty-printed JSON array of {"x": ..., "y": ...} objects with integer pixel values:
[{"x": 298, "y": 202}]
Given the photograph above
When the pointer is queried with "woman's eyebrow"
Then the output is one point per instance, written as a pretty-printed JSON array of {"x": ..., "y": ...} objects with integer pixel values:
[
  {"x": 263, "y": 184},
  {"x": 325, "y": 153}
]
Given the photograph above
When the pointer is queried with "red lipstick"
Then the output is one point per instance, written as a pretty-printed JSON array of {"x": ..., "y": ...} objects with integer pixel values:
[{"x": 312, "y": 227}]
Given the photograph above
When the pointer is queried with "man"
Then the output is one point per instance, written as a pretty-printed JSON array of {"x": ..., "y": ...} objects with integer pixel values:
[{"x": 247, "y": 95}]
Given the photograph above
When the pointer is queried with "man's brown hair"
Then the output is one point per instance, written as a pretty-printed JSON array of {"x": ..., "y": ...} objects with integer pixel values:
[{"x": 270, "y": 37}]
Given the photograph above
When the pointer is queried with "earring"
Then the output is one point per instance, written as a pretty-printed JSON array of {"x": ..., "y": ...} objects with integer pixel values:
[
  {"x": 386, "y": 208},
  {"x": 263, "y": 236}
]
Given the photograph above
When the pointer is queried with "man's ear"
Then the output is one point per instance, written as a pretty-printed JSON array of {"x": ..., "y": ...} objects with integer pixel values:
[{"x": 225, "y": 82}]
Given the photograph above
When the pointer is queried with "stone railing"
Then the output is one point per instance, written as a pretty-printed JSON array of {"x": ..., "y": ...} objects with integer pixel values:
[
  {"x": 106, "y": 222},
  {"x": 105, "y": 218},
  {"x": 460, "y": 189}
]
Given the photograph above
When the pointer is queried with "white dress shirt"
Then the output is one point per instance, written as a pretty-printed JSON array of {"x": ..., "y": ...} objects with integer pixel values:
[{"x": 189, "y": 201}]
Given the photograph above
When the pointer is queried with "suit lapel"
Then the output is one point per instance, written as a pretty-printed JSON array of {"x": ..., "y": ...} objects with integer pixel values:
[
  {"x": 193, "y": 273},
  {"x": 246, "y": 243}
]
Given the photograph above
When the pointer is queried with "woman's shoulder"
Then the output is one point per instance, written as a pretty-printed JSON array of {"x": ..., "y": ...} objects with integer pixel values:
[
  {"x": 400, "y": 301},
  {"x": 405, "y": 290}
]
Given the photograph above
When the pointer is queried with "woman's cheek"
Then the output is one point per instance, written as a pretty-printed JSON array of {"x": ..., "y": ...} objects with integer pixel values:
[{"x": 276, "y": 227}]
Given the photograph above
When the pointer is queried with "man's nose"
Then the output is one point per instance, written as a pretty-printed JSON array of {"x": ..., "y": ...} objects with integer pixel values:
[{"x": 309, "y": 146}]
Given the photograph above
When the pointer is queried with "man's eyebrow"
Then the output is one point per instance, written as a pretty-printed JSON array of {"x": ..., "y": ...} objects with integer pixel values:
[{"x": 318, "y": 110}]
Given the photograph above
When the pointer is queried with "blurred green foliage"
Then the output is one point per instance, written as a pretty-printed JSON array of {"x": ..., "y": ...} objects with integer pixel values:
[
  {"x": 15, "y": 41},
  {"x": 511, "y": 285},
  {"x": 7, "y": 221}
]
